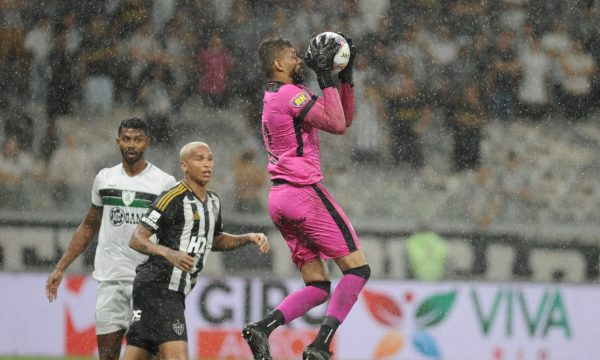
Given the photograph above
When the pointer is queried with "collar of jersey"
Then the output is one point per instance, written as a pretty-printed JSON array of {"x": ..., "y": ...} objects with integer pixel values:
[{"x": 274, "y": 86}]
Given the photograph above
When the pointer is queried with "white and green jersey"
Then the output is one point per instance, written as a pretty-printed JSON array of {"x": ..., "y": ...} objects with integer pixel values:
[{"x": 124, "y": 200}]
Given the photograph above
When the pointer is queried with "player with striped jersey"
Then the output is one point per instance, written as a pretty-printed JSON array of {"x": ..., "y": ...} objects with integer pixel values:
[
  {"x": 120, "y": 196},
  {"x": 187, "y": 223}
]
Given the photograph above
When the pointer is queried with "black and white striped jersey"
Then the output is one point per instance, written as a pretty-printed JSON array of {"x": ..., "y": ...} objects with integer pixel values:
[{"x": 182, "y": 222}]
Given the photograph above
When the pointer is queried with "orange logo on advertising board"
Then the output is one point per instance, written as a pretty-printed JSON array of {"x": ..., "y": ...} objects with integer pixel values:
[{"x": 228, "y": 344}]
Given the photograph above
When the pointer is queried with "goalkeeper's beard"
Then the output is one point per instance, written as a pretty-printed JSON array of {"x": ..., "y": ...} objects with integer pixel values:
[{"x": 297, "y": 77}]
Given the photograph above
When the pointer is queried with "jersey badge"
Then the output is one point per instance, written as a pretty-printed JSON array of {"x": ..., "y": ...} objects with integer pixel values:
[
  {"x": 196, "y": 216},
  {"x": 128, "y": 196},
  {"x": 300, "y": 99},
  {"x": 178, "y": 327}
]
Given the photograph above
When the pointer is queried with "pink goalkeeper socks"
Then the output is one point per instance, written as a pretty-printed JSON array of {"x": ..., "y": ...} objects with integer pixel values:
[
  {"x": 344, "y": 296},
  {"x": 298, "y": 303}
]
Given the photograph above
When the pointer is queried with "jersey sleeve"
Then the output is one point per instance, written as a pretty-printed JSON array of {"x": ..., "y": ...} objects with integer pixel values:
[
  {"x": 218, "y": 229},
  {"x": 158, "y": 212},
  {"x": 96, "y": 198},
  {"x": 169, "y": 182},
  {"x": 218, "y": 225},
  {"x": 347, "y": 98},
  {"x": 326, "y": 112},
  {"x": 296, "y": 100}
]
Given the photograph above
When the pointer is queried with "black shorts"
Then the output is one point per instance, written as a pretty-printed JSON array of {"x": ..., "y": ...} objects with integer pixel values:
[{"x": 158, "y": 317}]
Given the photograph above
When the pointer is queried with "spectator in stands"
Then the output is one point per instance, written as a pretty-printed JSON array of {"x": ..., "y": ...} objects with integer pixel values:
[
  {"x": 70, "y": 172},
  {"x": 442, "y": 50},
  {"x": 98, "y": 56},
  {"x": 14, "y": 69},
  {"x": 143, "y": 49},
  {"x": 557, "y": 43},
  {"x": 180, "y": 45},
  {"x": 467, "y": 17},
  {"x": 18, "y": 124},
  {"x": 38, "y": 43},
  {"x": 15, "y": 166},
  {"x": 516, "y": 195},
  {"x": 578, "y": 71},
  {"x": 199, "y": 16},
  {"x": 155, "y": 96},
  {"x": 411, "y": 46},
  {"x": 215, "y": 63},
  {"x": 503, "y": 77},
  {"x": 589, "y": 31},
  {"x": 249, "y": 181},
  {"x": 49, "y": 143},
  {"x": 162, "y": 12},
  {"x": 247, "y": 83},
  {"x": 12, "y": 27},
  {"x": 468, "y": 117},
  {"x": 427, "y": 254},
  {"x": 73, "y": 34},
  {"x": 129, "y": 15},
  {"x": 409, "y": 116},
  {"x": 534, "y": 87},
  {"x": 482, "y": 209},
  {"x": 63, "y": 78},
  {"x": 464, "y": 70},
  {"x": 280, "y": 26},
  {"x": 308, "y": 19},
  {"x": 512, "y": 15},
  {"x": 244, "y": 36},
  {"x": 480, "y": 54},
  {"x": 382, "y": 36},
  {"x": 484, "y": 201},
  {"x": 369, "y": 132}
]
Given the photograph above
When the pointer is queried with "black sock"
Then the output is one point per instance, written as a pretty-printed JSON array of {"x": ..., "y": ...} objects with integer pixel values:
[
  {"x": 271, "y": 322},
  {"x": 326, "y": 332}
]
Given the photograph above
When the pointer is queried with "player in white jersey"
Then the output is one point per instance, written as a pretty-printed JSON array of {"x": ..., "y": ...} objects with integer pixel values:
[{"x": 120, "y": 196}]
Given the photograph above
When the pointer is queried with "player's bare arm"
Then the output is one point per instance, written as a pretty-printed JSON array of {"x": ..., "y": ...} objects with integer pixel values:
[
  {"x": 140, "y": 242},
  {"x": 79, "y": 242},
  {"x": 226, "y": 242}
]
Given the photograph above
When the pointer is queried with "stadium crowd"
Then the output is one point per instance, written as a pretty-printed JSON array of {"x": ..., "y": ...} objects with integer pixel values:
[{"x": 455, "y": 97}]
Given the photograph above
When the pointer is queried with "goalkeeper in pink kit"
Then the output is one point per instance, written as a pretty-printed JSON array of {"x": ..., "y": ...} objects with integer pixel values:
[{"x": 313, "y": 225}]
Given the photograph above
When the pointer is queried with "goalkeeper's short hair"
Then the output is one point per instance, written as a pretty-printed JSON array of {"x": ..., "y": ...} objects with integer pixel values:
[{"x": 268, "y": 51}]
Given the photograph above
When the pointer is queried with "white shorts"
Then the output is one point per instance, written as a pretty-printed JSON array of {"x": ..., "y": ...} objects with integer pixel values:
[{"x": 113, "y": 306}]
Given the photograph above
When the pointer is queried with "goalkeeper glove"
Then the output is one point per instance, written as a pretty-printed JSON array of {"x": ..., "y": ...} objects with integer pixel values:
[
  {"x": 319, "y": 57},
  {"x": 346, "y": 74}
]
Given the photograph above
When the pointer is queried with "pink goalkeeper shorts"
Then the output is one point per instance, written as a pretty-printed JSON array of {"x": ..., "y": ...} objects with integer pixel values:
[{"x": 311, "y": 222}]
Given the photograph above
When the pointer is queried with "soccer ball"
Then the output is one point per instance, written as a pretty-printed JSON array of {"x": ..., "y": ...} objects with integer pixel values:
[{"x": 343, "y": 55}]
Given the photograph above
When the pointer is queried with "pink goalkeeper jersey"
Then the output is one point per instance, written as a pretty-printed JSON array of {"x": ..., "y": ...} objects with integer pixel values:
[{"x": 292, "y": 116}]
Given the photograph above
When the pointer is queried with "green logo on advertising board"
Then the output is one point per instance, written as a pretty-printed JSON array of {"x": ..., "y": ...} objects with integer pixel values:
[
  {"x": 549, "y": 314},
  {"x": 434, "y": 309}
]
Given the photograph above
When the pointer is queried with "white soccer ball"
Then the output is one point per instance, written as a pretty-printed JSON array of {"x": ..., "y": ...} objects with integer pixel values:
[{"x": 340, "y": 61}]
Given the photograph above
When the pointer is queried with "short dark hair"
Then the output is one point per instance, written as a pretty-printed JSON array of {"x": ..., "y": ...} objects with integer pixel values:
[
  {"x": 133, "y": 123},
  {"x": 268, "y": 51}
]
